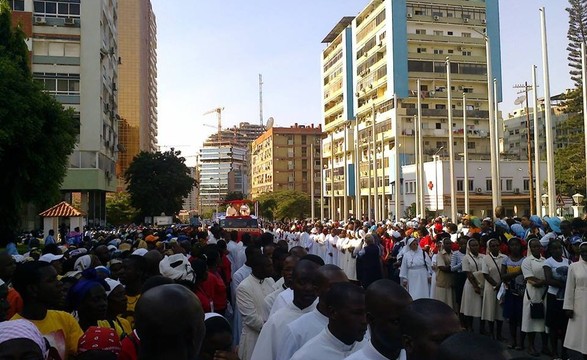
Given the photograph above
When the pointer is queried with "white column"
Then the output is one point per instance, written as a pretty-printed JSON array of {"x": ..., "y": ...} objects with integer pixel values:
[
  {"x": 538, "y": 186},
  {"x": 345, "y": 205},
  {"x": 465, "y": 155},
  {"x": 548, "y": 120},
  {"x": 492, "y": 134},
  {"x": 321, "y": 180},
  {"x": 451, "y": 162},
  {"x": 376, "y": 178},
  {"x": 497, "y": 125},
  {"x": 312, "y": 209},
  {"x": 397, "y": 131}
]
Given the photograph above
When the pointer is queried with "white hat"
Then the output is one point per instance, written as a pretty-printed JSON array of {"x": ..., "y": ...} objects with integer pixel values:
[
  {"x": 50, "y": 257},
  {"x": 177, "y": 267},
  {"x": 140, "y": 252}
]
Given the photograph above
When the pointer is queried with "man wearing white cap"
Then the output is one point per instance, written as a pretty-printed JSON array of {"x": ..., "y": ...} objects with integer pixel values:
[{"x": 55, "y": 261}]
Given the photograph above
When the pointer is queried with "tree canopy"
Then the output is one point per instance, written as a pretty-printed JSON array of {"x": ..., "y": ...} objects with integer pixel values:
[
  {"x": 119, "y": 209},
  {"x": 284, "y": 204},
  {"x": 37, "y": 134},
  {"x": 158, "y": 182}
]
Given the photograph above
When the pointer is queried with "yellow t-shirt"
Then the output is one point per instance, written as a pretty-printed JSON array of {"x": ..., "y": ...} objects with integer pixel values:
[
  {"x": 60, "y": 329},
  {"x": 121, "y": 326},
  {"x": 131, "y": 302}
]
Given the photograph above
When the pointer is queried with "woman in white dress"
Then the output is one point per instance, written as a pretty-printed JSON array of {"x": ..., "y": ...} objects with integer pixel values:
[
  {"x": 575, "y": 304},
  {"x": 492, "y": 310},
  {"x": 533, "y": 270},
  {"x": 472, "y": 300},
  {"x": 416, "y": 271}
]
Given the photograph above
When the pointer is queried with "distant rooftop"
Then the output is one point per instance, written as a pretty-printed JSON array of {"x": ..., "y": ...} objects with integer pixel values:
[{"x": 338, "y": 28}]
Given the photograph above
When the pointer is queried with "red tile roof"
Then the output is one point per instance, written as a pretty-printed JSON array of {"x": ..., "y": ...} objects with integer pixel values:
[{"x": 63, "y": 209}]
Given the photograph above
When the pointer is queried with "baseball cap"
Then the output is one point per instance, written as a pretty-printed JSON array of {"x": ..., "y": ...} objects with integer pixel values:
[{"x": 50, "y": 258}]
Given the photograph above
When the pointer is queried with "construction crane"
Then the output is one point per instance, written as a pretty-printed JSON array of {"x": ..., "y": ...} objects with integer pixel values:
[{"x": 218, "y": 111}]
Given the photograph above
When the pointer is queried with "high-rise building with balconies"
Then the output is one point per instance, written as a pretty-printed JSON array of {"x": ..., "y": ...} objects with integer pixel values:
[
  {"x": 74, "y": 53},
  {"x": 375, "y": 61}
]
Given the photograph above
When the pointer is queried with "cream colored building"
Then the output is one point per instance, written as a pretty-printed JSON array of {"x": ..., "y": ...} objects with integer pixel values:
[
  {"x": 370, "y": 67},
  {"x": 282, "y": 159}
]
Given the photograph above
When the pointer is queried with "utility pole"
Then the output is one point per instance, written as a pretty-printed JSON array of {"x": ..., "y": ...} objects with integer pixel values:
[
  {"x": 218, "y": 112},
  {"x": 527, "y": 88},
  {"x": 261, "y": 99}
]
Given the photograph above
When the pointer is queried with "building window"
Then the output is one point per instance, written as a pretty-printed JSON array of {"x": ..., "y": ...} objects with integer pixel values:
[
  {"x": 438, "y": 32},
  {"x": 438, "y": 126},
  {"x": 440, "y": 106},
  {"x": 466, "y": 53},
  {"x": 421, "y": 50},
  {"x": 467, "y": 35},
  {"x": 438, "y": 52},
  {"x": 526, "y": 185},
  {"x": 57, "y": 8},
  {"x": 420, "y": 31},
  {"x": 304, "y": 139},
  {"x": 508, "y": 184},
  {"x": 471, "y": 187},
  {"x": 450, "y": 33},
  {"x": 460, "y": 185},
  {"x": 470, "y": 145},
  {"x": 488, "y": 186},
  {"x": 59, "y": 84},
  {"x": 17, "y": 5}
]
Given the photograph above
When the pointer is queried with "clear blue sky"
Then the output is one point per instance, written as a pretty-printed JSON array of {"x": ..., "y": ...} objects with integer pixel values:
[{"x": 211, "y": 52}]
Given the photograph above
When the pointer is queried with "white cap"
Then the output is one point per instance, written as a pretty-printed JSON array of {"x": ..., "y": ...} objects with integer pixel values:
[
  {"x": 50, "y": 258},
  {"x": 140, "y": 252}
]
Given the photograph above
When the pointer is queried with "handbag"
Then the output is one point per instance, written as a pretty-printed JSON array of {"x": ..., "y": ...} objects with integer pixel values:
[
  {"x": 478, "y": 275},
  {"x": 537, "y": 309}
]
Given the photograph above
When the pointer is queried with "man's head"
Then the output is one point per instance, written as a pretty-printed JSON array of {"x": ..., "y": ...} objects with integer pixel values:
[
  {"x": 302, "y": 284},
  {"x": 298, "y": 251},
  {"x": 170, "y": 323},
  {"x": 261, "y": 267},
  {"x": 347, "y": 319},
  {"x": 326, "y": 276},
  {"x": 133, "y": 270},
  {"x": 462, "y": 345},
  {"x": 385, "y": 301},
  {"x": 250, "y": 253},
  {"x": 289, "y": 265},
  {"x": 103, "y": 254},
  {"x": 36, "y": 281},
  {"x": 218, "y": 336},
  {"x": 7, "y": 266},
  {"x": 424, "y": 324}
]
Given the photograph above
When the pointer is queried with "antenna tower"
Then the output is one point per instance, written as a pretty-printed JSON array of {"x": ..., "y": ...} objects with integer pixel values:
[{"x": 261, "y": 99}]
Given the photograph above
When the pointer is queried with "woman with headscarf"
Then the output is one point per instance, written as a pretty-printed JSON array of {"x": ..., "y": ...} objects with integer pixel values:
[
  {"x": 575, "y": 304},
  {"x": 472, "y": 301},
  {"x": 116, "y": 297},
  {"x": 20, "y": 339},
  {"x": 416, "y": 270},
  {"x": 99, "y": 343},
  {"x": 533, "y": 270},
  {"x": 556, "y": 268},
  {"x": 218, "y": 341},
  {"x": 88, "y": 299},
  {"x": 511, "y": 274},
  {"x": 536, "y": 227},
  {"x": 491, "y": 310}
]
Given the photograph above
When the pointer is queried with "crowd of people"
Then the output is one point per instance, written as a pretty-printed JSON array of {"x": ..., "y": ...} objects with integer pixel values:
[{"x": 411, "y": 289}]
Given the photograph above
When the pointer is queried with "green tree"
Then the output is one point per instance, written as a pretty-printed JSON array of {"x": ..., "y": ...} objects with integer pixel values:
[
  {"x": 576, "y": 35},
  {"x": 234, "y": 195},
  {"x": 158, "y": 182},
  {"x": 37, "y": 134},
  {"x": 119, "y": 209},
  {"x": 569, "y": 165},
  {"x": 285, "y": 204}
]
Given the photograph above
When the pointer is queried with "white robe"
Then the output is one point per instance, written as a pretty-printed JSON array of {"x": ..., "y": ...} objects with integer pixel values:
[
  {"x": 417, "y": 269},
  {"x": 326, "y": 346},
  {"x": 285, "y": 297},
  {"x": 273, "y": 331},
  {"x": 237, "y": 278},
  {"x": 368, "y": 352},
  {"x": 270, "y": 299},
  {"x": 576, "y": 300},
  {"x": 250, "y": 300},
  {"x": 533, "y": 267},
  {"x": 299, "y": 332},
  {"x": 234, "y": 256},
  {"x": 332, "y": 240}
]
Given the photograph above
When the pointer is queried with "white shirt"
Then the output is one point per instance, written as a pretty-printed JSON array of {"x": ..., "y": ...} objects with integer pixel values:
[
  {"x": 233, "y": 255},
  {"x": 368, "y": 352},
  {"x": 273, "y": 331},
  {"x": 270, "y": 299},
  {"x": 299, "y": 332},
  {"x": 326, "y": 346},
  {"x": 285, "y": 297},
  {"x": 306, "y": 240}
]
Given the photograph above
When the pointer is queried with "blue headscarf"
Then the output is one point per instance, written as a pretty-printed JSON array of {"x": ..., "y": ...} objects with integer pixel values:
[
  {"x": 518, "y": 230},
  {"x": 553, "y": 223},
  {"x": 536, "y": 221},
  {"x": 78, "y": 292}
]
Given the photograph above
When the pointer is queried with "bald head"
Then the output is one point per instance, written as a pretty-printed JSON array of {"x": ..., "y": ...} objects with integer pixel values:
[
  {"x": 460, "y": 346},
  {"x": 326, "y": 276},
  {"x": 166, "y": 331},
  {"x": 152, "y": 260},
  {"x": 385, "y": 294},
  {"x": 298, "y": 251}
]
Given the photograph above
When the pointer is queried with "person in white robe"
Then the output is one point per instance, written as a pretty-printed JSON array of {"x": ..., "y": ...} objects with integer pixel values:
[
  {"x": 282, "y": 284},
  {"x": 575, "y": 303},
  {"x": 332, "y": 254},
  {"x": 306, "y": 240},
  {"x": 250, "y": 300},
  {"x": 309, "y": 325},
  {"x": 237, "y": 278},
  {"x": 234, "y": 249},
  {"x": 416, "y": 270},
  {"x": 303, "y": 302},
  {"x": 347, "y": 325},
  {"x": 385, "y": 301}
]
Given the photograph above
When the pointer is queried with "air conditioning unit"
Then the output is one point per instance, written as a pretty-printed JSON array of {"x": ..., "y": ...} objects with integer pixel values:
[
  {"x": 69, "y": 21},
  {"x": 483, "y": 21},
  {"x": 478, "y": 190},
  {"x": 436, "y": 17},
  {"x": 410, "y": 15},
  {"x": 516, "y": 190},
  {"x": 466, "y": 20},
  {"x": 40, "y": 20}
]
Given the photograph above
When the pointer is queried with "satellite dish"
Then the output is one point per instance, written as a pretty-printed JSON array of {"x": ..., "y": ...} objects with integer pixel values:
[
  {"x": 269, "y": 124},
  {"x": 520, "y": 100}
]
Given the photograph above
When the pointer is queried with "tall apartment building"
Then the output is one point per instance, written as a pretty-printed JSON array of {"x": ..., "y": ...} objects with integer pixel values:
[
  {"x": 370, "y": 68},
  {"x": 137, "y": 97},
  {"x": 191, "y": 202},
  {"x": 282, "y": 159},
  {"x": 74, "y": 52}
]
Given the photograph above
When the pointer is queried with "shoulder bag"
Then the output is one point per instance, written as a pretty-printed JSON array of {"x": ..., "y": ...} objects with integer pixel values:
[{"x": 537, "y": 309}]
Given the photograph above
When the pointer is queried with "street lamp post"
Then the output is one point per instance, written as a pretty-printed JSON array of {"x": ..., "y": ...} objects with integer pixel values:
[{"x": 435, "y": 158}]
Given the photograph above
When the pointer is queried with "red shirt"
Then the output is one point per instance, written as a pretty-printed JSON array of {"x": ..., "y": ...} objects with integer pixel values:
[
  {"x": 216, "y": 290},
  {"x": 130, "y": 347}
]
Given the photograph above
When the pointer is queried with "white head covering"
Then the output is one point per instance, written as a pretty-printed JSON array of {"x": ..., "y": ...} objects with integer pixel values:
[
  {"x": 22, "y": 329},
  {"x": 112, "y": 284},
  {"x": 177, "y": 267},
  {"x": 83, "y": 262}
]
